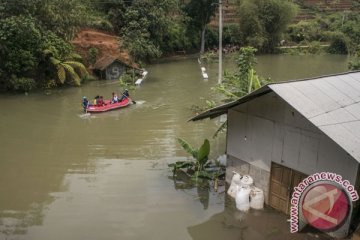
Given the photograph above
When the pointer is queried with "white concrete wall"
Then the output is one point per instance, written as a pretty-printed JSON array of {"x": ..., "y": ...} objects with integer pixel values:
[{"x": 268, "y": 129}]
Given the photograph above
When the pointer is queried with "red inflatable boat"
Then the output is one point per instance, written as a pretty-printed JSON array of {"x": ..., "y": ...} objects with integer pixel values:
[{"x": 108, "y": 106}]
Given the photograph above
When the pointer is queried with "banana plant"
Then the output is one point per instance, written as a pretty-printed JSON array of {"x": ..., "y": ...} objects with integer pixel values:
[
  {"x": 201, "y": 155},
  {"x": 199, "y": 170},
  {"x": 196, "y": 167}
]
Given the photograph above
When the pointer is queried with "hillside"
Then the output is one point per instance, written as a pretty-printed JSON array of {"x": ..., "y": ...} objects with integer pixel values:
[
  {"x": 306, "y": 10},
  {"x": 108, "y": 45}
]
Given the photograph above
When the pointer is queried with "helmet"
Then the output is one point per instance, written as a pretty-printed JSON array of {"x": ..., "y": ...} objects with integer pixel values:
[{"x": 84, "y": 97}]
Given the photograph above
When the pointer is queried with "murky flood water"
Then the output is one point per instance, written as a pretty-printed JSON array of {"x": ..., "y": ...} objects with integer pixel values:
[{"x": 65, "y": 176}]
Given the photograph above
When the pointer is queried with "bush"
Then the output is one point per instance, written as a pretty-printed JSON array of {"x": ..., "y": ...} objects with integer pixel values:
[
  {"x": 263, "y": 21},
  {"x": 87, "y": 78},
  {"x": 354, "y": 64},
  {"x": 21, "y": 84},
  {"x": 338, "y": 43},
  {"x": 314, "y": 47},
  {"x": 211, "y": 38},
  {"x": 232, "y": 34},
  {"x": 304, "y": 31},
  {"x": 93, "y": 54},
  {"x": 102, "y": 24}
]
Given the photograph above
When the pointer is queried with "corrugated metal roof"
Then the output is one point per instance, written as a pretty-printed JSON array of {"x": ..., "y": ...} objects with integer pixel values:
[
  {"x": 220, "y": 110},
  {"x": 331, "y": 103}
]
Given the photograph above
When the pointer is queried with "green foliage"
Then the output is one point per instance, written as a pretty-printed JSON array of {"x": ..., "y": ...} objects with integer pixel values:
[
  {"x": 200, "y": 155},
  {"x": 305, "y": 31},
  {"x": 314, "y": 47},
  {"x": 244, "y": 80},
  {"x": 186, "y": 146},
  {"x": 21, "y": 84},
  {"x": 338, "y": 43},
  {"x": 32, "y": 31},
  {"x": 69, "y": 71},
  {"x": 262, "y": 22},
  {"x": 87, "y": 78},
  {"x": 240, "y": 82},
  {"x": 93, "y": 53},
  {"x": 354, "y": 64},
  {"x": 341, "y": 30},
  {"x": 19, "y": 40},
  {"x": 199, "y": 170},
  {"x": 199, "y": 13},
  {"x": 147, "y": 27},
  {"x": 127, "y": 80},
  {"x": 232, "y": 34}
]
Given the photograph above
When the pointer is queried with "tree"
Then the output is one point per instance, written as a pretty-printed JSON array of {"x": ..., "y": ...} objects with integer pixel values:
[
  {"x": 242, "y": 81},
  {"x": 68, "y": 68},
  {"x": 20, "y": 40},
  {"x": 200, "y": 13},
  {"x": 150, "y": 26},
  {"x": 263, "y": 21},
  {"x": 29, "y": 29}
]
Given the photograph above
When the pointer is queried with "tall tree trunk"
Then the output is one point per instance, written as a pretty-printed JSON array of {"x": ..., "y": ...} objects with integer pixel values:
[{"x": 202, "y": 48}]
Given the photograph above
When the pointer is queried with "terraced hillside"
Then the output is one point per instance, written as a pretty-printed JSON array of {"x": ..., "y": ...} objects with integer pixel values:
[{"x": 307, "y": 9}]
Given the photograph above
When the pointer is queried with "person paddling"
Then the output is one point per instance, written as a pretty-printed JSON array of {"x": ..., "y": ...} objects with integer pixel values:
[
  {"x": 125, "y": 95},
  {"x": 85, "y": 103}
]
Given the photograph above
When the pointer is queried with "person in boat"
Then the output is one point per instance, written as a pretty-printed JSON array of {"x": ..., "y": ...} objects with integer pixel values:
[
  {"x": 114, "y": 98},
  {"x": 96, "y": 100},
  {"x": 125, "y": 95},
  {"x": 85, "y": 103},
  {"x": 100, "y": 101}
]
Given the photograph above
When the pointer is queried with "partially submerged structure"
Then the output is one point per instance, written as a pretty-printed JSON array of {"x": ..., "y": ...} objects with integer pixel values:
[
  {"x": 111, "y": 59},
  {"x": 283, "y": 132},
  {"x": 112, "y": 67}
]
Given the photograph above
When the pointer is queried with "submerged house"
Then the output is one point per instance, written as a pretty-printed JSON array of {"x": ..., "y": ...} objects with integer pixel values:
[
  {"x": 284, "y": 132},
  {"x": 112, "y": 67}
]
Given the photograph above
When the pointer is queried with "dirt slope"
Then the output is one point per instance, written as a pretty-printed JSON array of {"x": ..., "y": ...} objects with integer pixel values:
[{"x": 108, "y": 45}]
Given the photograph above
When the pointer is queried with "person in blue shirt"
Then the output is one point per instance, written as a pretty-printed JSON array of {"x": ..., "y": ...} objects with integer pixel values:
[
  {"x": 125, "y": 95},
  {"x": 85, "y": 103}
]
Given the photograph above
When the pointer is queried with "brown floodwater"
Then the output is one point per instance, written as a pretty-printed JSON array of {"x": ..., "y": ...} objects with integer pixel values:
[{"x": 105, "y": 176}]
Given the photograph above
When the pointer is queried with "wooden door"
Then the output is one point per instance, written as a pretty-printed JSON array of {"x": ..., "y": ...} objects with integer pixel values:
[{"x": 282, "y": 182}]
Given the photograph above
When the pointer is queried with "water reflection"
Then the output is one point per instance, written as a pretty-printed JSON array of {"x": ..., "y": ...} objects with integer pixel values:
[
  {"x": 183, "y": 181},
  {"x": 232, "y": 224}
]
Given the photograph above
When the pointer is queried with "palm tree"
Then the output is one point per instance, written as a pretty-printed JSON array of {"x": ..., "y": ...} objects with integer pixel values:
[{"x": 68, "y": 69}]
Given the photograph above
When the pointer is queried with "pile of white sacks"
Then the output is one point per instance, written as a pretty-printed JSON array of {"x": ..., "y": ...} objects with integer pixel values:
[{"x": 245, "y": 193}]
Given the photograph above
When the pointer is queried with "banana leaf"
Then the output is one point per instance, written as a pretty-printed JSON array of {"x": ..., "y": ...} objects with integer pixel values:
[
  {"x": 204, "y": 152},
  {"x": 182, "y": 164},
  {"x": 188, "y": 148}
]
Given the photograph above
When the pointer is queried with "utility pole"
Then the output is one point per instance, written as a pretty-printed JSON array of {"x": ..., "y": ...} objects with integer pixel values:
[{"x": 220, "y": 41}]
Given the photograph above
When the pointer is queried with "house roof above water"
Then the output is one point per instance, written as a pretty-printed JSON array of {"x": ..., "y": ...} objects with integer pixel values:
[
  {"x": 331, "y": 103},
  {"x": 106, "y": 61}
]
